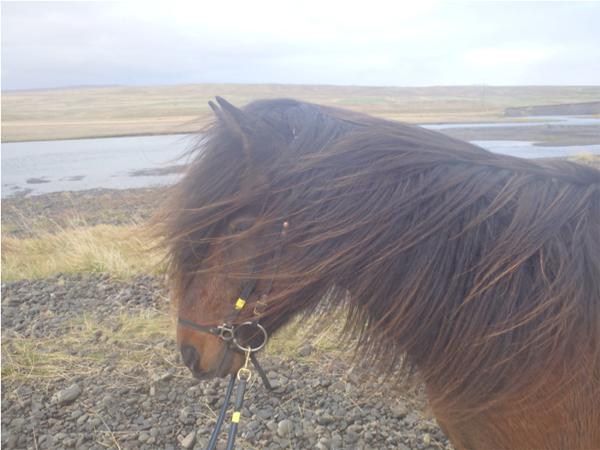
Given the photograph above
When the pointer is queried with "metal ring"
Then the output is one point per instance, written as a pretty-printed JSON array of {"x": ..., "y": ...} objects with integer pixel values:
[
  {"x": 244, "y": 373},
  {"x": 257, "y": 325},
  {"x": 227, "y": 332}
]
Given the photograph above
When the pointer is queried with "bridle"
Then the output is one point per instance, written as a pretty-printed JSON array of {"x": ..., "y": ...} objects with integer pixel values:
[{"x": 228, "y": 332}]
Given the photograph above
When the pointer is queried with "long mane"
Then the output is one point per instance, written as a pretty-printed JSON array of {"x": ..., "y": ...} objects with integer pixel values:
[{"x": 481, "y": 270}]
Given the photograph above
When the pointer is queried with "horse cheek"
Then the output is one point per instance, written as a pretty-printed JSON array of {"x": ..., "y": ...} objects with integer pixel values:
[{"x": 204, "y": 303}]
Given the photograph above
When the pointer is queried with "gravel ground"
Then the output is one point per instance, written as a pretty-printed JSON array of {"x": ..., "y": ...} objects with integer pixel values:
[
  {"x": 71, "y": 377},
  {"x": 97, "y": 402}
]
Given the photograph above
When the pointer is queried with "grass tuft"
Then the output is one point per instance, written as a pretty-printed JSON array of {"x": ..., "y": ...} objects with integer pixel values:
[
  {"x": 584, "y": 156},
  {"x": 122, "y": 251}
]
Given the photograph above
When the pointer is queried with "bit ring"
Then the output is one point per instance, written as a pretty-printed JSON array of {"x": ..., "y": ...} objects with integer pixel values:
[{"x": 255, "y": 325}]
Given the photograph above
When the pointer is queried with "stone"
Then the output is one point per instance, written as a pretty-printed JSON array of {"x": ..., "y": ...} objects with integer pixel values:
[
  {"x": 17, "y": 423},
  {"x": 351, "y": 437},
  {"x": 189, "y": 440},
  {"x": 399, "y": 412},
  {"x": 166, "y": 376},
  {"x": 68, "y": 395},
  {"x": 264, "y": 414},
  {"x": 305, "y": 350},
  {"x": 253, "y": 425},
  {"x": 285, "y": 427},
  {"x": 82, "y": 419},
  {"x": 338, "y": 386},
  {"x": 70, "y": 442},
  {"x": 411, "y": 419},
  {"x": 50, "y": 442},
  {"x": 11, "y": 442},
  {"x": 36, "y": 407}
]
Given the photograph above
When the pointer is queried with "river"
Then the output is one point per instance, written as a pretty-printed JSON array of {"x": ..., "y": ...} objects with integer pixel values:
[
  {"x": 119, "y": 163},
  {"x": 40, "y": 167}
]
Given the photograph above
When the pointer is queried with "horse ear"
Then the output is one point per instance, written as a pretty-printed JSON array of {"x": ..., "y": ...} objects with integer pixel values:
[
  {"x": 231, "y": 111},
  {"x": 215, "y": 108},
  {"x": 234, "y": 117}
]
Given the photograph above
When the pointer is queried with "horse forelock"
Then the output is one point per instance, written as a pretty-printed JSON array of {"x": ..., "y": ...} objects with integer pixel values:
[{"x": 482, "y": 271}]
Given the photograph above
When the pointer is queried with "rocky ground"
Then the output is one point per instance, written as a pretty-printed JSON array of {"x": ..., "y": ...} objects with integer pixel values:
[{"x": 90, "y": 362}]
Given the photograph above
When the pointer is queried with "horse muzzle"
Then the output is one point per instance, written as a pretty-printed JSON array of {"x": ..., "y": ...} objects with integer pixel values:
[{"x": 220, "y": 367}]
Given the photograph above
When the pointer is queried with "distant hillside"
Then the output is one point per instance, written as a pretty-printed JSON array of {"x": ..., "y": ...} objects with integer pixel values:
[
  {"x": 566, "y": 109},
  {"x": 78, "y": 113},
  {"x": 63, "y": 88}
]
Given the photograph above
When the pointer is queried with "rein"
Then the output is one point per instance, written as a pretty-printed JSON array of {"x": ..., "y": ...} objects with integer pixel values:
[{"x": 228, "y": 331}]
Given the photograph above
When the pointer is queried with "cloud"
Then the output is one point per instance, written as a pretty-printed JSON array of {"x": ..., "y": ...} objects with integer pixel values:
[
  {"x": 508, "y": 55},
  {"x": 53, "y": 44}
]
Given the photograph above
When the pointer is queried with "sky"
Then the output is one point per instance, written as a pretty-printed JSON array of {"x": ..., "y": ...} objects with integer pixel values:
[{"x": 366, "y": 43}]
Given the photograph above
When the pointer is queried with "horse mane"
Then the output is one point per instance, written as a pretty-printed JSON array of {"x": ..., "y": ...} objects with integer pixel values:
[{"x": 480, "y": 270}]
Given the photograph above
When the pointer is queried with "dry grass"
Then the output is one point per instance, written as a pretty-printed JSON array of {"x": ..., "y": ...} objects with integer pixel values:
[
  {"x": 87, "y": 345},
  {"x": 585, "y": 157},
  {"x": 322, "y": 338},
  {"x": 125, "y": 111},
  {"x": 130, "y": 342},
  {"x": 103, "y": 248}
]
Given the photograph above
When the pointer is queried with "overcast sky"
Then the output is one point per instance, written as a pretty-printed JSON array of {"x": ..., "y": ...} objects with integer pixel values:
[{"x": 367, "y": 43}]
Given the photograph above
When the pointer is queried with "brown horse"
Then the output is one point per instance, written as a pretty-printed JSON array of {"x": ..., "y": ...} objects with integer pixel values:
[{"x": 477, "y": 271}]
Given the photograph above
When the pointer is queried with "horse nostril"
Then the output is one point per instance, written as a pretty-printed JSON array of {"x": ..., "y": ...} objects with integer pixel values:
[{"x": 191, "y": 357}]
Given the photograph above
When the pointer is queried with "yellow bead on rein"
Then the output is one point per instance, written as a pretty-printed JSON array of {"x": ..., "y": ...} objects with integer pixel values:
[{"x": 240, "y": 303}]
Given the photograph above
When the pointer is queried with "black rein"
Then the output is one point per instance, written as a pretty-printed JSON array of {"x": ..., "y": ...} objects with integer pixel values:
[{"x": 227, "y": 332}]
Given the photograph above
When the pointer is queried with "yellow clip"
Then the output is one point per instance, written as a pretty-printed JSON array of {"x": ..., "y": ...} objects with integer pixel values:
[
  {"x": 236, "y": 417},
  {"x": 240, "y": 303}
]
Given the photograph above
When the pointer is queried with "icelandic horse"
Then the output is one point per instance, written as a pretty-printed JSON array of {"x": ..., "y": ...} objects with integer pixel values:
[{"x": 477, "y": 272}]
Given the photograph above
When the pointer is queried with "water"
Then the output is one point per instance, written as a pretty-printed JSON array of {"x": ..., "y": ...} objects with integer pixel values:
[
  {"x": 114, "y": 163},
  {"x": 552, "y": 120},
  {"x": 525, "y": 149},
  {"x": 133, "y": 162}
]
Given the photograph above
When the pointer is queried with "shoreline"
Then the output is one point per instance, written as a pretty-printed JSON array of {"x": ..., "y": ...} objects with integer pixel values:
[
  {"x": 544, "y": 135},
  {"x": 108, "y": 136},
  {"x": 55, "y": 211}
]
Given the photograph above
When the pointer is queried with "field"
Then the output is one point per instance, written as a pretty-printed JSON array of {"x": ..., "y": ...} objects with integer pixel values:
[
  {"x": 128, "y": 111},
  {"x": 84, "y": 307}
]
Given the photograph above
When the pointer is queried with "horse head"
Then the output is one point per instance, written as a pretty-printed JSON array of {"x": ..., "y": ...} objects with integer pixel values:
[{"x": 221, "y": 293}]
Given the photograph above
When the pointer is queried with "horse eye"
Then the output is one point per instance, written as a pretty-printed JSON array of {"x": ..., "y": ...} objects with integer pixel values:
[{"x": 242, "y": 226}]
